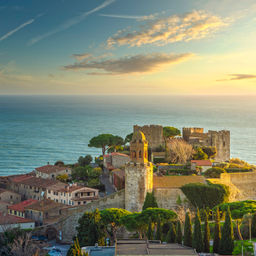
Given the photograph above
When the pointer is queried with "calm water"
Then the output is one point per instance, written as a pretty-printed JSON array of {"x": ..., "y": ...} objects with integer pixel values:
[{"x": 35, "y": 130}]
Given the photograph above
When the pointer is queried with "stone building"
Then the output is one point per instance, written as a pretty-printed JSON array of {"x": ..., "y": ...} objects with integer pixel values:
[
  {"x": 219, "y": 139},
  {"x": 19, "y": 209},
  {"x": 51, "y": 171},
  {"x": 8, "y": 196},
  {"x": 115, "y": 160},
  {"x": 138, "y": 173}
]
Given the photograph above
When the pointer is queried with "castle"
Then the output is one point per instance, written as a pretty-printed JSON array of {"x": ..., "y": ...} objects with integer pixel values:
[{"x": 194, "y": 136}]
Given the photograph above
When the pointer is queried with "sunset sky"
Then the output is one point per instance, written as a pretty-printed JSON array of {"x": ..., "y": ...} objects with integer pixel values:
[{"x": 127, "y": 47}]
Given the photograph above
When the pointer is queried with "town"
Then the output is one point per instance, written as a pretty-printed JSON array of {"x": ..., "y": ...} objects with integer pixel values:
[{"x": 157, "y": 191}]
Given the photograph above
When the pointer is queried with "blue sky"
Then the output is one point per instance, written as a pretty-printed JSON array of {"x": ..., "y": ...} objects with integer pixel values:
[{"x": 127, "y": 47}]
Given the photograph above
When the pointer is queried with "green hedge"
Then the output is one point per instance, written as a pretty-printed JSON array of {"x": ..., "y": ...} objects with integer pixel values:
[
  {"x": 232, "y": 170},
  {"x": 214, "y": 172},
  {"x": 181, "y": 172},
  {"x": 206, "y": 195}
]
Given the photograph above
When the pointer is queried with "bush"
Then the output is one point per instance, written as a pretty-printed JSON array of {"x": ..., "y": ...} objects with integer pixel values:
[
  {"x": 214, "y": 172},
  {"x": 159, "y": 160},
  {"x": 247, "y": 248},
  {"x": 185, "y": 172},
  {"x": 232, "y": 170},
  {"x": 203, "y": 195}
]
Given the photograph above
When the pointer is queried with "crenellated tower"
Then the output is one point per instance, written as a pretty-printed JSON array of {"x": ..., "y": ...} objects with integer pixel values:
[{"x": 138, "y": 173}]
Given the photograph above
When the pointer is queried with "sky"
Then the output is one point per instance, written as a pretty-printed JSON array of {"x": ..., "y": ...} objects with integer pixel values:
[{"x": 128, "y": 47}]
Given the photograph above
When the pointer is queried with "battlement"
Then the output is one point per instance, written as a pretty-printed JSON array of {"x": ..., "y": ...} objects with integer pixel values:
[{"x": 138, "y": 164}]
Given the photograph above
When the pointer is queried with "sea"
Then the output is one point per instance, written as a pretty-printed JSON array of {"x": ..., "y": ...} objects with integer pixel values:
[{"x": 35, "y": 130}]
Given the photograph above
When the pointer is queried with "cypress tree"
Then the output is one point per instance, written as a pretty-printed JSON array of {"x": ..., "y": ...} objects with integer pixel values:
[
  {"x": 178, "y": 233},
  {"x": 188, "y": 231},
  {"x": 150, "y": 201},
  {"x": 254, "y": 225},
  {"x": 171, "y": 235},
  {"x": 227, "y": 236},
  {"x": 158, "y": 230},
  {"x": 206, "y": 234},
  {"x": 150, "y": 231},
  {"x": 197, "y": 235},
  {"x": 217, "y": 232}
]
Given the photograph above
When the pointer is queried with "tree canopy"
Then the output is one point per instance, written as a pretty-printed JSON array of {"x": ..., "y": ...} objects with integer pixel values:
[
  {"x": 128, "y": 138},
  {"x": 163, "y": 214},
  {"x": 170, "y": 131},
  {"x": 150, "y": 201},
  {"x": 83, "y": 161}
]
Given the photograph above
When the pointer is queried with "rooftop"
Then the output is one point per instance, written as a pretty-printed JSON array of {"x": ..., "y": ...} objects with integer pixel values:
[
  {"x": 51, "y": 168},
  {"x": 116, "y": 154},
  {"x": 2, "y": 190},
  {"x": 6, "y": 219},
  {"x": 61, "y": 187},
  {"x": 44, "y": 205},
  {"x": 202, "y": 162},
  {"x": 20, "y": 206}
]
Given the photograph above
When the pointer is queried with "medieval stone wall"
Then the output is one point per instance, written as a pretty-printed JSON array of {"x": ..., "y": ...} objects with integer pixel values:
[{"x": 153, "y": 134}]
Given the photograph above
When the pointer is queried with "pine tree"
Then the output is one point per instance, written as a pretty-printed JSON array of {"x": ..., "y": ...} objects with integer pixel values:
[
  {"x": 178, "y": 233},
  {"x": 158, "y": 230},
  {"x": 254, "y": 225},
  {"x": 150, "y": 201},
  {"x": 171, "y": 235},
  {"x": 217, "y": 232},
  {"x": 149, "y": 231},
  {"x": 188, "y": 231},
  {"x": 197, "y": 235},
  {"x": 227, "y": 236},
  {"x": 206, "y": 234}
]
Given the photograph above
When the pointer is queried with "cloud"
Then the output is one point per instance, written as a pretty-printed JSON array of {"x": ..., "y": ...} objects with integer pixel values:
[
  {"x": 70, "y": 22},
  {"x": 16, "y": 29},
  {"x": 176, "y": 28},
  {"x": 129, "y": 64},
  {"x": 149, "y": 17},
  {"x": 81, "y": 56},
  {"x": 238, "y": 77}
]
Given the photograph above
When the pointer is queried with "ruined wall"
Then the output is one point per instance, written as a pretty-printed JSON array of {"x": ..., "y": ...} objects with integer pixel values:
[
  {"x": 138, "y": 181},
  {"x": 153, "y": 134}
]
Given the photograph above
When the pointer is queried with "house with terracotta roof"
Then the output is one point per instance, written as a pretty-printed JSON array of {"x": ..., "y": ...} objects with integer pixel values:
[
  {"x": 51, "y": 171},
  {"x": 45, "y": 212},
  {"x": 115, "y": 160},
  {"x": 19, "y": 209},
  {"x": 203, "y": 164},
  {"x": 72, "y": 194},
  {"x": 10, "y": 222},
  {"x": 9, "y": 196}
]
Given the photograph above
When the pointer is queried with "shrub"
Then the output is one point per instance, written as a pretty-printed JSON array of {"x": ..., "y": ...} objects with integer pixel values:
[
  {"x": 205, "y": 195},
  {"x": 247, "y": 248},
  {"x": 214, "y": 172},
  {"x": 197, "y": 235},
  {"x": 178, "y": 233},
  {"x": 234, "y": 170},
  {"x": 217, "y": 232},
  {"x": 150, "y": 201},
  {"x": 199, "y": 154},
  {"x": 188, "y": 231},
  {"x": 171, "y": 235},
  {"x": 185, "y": 172}
]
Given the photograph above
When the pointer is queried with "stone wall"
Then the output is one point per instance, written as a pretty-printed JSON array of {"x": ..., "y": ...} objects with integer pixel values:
[{"x": 153, "y": 134}]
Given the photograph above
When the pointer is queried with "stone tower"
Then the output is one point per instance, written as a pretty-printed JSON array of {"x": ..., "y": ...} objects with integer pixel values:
[{"x": 138, "y": 173}]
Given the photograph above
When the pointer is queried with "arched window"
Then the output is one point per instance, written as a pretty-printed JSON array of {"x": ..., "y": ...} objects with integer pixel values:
[{"x": 140, "y": 155}]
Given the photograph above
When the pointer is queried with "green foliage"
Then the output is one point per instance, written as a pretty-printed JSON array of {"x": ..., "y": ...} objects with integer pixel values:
[
  {"x": 149, "y": 230},
  {"x": 254, "y": 225},
  {"x": 188, "y": 231},
  {"x": 227, "y": 236},
  {"x": 178, "y": 233},
  {"x": 83, "y": 161},
  {"x": 234, "y": 170},
  {"x": 158, "y": 213},
  {"x": 76, "y": 250},
  {"x": 171, "y": 235},
  {"x": 169, "y": 131},
  {"x": 150, "y": 201},
  {"x": 158, "y": 230},
  {"x": 63, "y": 177},
  {"x": 87, "y": 174},
  {"x": 240, "y": 208},
  {"x": 247, "y": 248},
  {"x": 217, "y": 232},
  {"x": 214, "y": 172},
  {"x": 199, "y": 154},
  {"x": 206, "y": 234},
  {"x": 128, "y": 138},
  {"x": 176, "y": 172},
  {"x": 159, "y": 160},
  {"x": 210, "y": 151},
  {"x": 205, "y": 195},
  {"x": 197, "y": 234}
]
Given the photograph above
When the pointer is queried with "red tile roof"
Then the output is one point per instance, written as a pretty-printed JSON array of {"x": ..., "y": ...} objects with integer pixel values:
[
  {"x": 202, "y": 162},
  {"x": 66, "y": 188},
  {"x": 116, "y": 154},
  {"x": 6, "y": 219},
  {"x": 35, "y": 182},
  {"x": 20, "y": 206},
  {"x": 50, "y": 168},
  {"x": 2, "y": 190}
]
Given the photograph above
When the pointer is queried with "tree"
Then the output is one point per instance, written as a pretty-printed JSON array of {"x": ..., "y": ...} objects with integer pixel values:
[
  {"x": 206, "y": 234},
  {"x": 150, "y": 201},
  {"x": 178, "y": 151},
  {"x": 81, "y": 173},
  {"x": 76, "y": 250},
  {"x": 105, "y": 141},
  {"x": 149, "y": 230},
  {"x": 62, "y": 177},
  {"x": 178, "y": 233},
  {"x": 227, "y": 236},
  {"x": 197, "y": 234},
  {"x": 128, "y": 138},
  {"x": 171, "y": 235},
  {"x": 158, "y": 229},
  {"x": 169, "y": 131},
  {"x": 188, "y": 231},
  {"x": 199, "y": 154},
  {"x": 214, "y": 172},
  {"x": 210, "y": 151},
  {"x": 254, "y": 225},
  {"x": 112, "y": 217},
  {"x": 158, "y": 213},
  {"x": 83, "y": 161},
  {"x": 217, "y": 232},
  {"x": 59, "y": 163}
]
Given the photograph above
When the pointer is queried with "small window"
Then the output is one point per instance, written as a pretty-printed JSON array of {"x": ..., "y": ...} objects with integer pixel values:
[{"x": 10, "y": 197}]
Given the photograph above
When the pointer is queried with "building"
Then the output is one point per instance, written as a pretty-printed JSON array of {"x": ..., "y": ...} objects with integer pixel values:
[
  {"x": 72, "y": 194},
  {"x": 9, "y": 222},
  {"x": 115, "y": 160},
  {"x": 19, "y": 209},
  {"x": 143, "y": 247},
  {"x": 117, "y": 178},
  {"x": 138, "y": 173},
  {"x": 219, "y": 139},
  {"x": 45, "y": 211},
  {"x": 31, "y": 187},
  {"x": 9, "y": 196},
  {"x": 51, "y": 171},
  {"x": 4, "y": 207},
  {"x": 203, "y": 164}
]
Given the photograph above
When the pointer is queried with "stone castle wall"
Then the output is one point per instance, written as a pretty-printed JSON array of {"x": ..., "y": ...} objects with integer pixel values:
[{"x": 153, "y": 134}]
